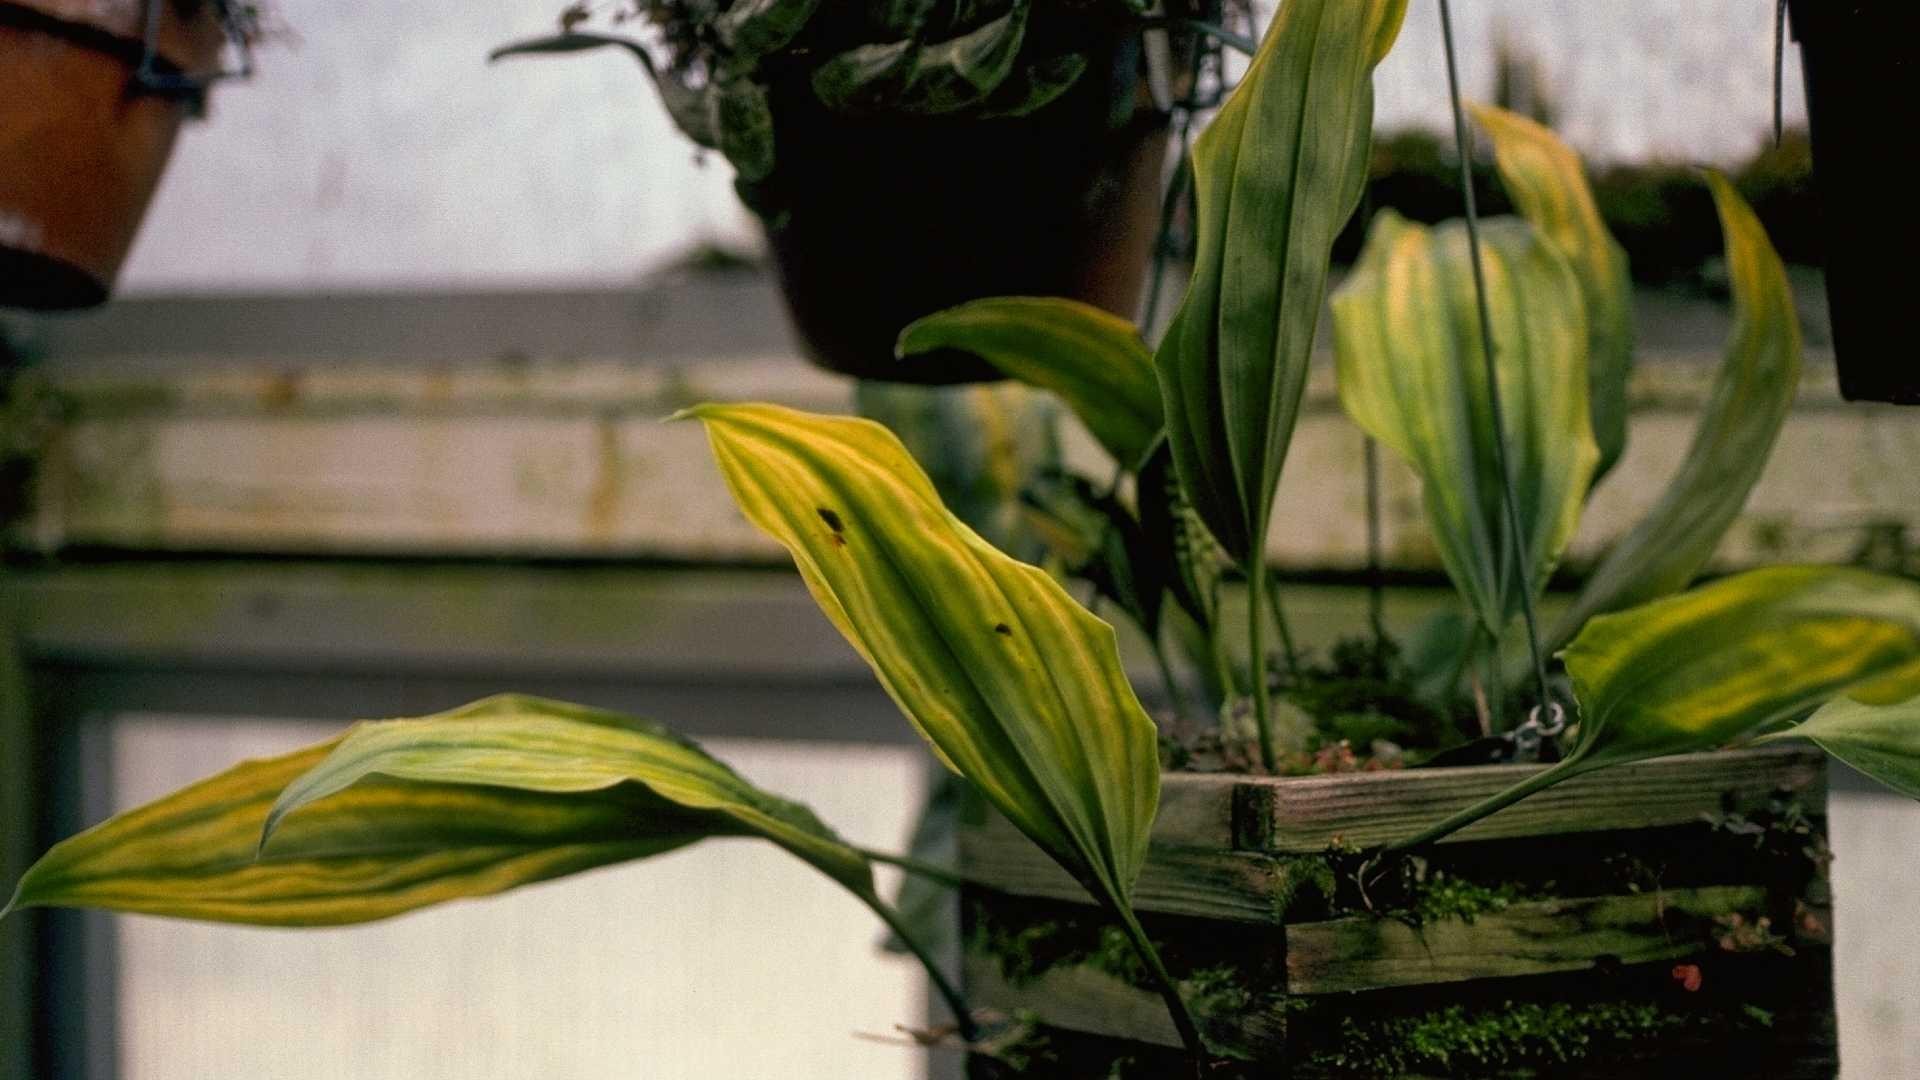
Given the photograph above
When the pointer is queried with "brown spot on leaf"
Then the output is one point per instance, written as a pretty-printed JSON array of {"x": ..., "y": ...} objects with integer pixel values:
[
  {"x": 1003, "y": 629},
  {"x": 832, "y": 519}
]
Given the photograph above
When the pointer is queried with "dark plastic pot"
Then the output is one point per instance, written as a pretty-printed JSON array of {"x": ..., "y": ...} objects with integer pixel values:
[
  {"x": 82, "y": 144},
  {"x": 883, "y": 221},
  {"x": 1862, "y": 85}
]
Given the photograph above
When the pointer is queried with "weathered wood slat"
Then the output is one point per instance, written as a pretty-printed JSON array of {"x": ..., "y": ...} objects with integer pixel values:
[
  {"x": 1307, "y": 814},
  {"x": 1202, "y": 882},
  {"x": 1366, "y": 953}
]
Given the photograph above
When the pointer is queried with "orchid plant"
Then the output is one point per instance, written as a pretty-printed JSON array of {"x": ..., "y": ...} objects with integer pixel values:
[{"x": 1018, "y": 687}]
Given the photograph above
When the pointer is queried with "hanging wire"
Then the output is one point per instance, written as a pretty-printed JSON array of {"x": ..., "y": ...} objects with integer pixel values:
[
  {"x": 1493, "y": 376},
  {"x": 1779, "y": 65}
]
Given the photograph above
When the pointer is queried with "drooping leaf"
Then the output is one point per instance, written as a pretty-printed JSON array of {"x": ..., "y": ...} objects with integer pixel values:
[
  {"x": 1875, "y": 729},
  {"x": 1549, "y": 188},
  {"x": 1276, "y": 173},
  {"x": 1727, "y": 659},
  {"x": 1412, "y": 373},
  {"x": 934, "y": 79},
  {"x": 1016, "y": 686},
  {"x": 1093, "y": 360},
  {"x": 406, "y": 814},
  {"x": 751, "y": 29},
  {"x": 742, "y": 123},
  {"x": 687, "y": 106},
  {"x": 1751, "y": 397}
]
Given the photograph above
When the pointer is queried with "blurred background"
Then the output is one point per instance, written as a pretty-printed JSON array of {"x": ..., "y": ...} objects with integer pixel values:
[{"x": 371, "y": 429}]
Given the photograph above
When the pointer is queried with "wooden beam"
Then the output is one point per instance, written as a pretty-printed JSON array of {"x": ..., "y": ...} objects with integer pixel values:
[
  {"x": 1308, "y": 814},
  {"x": 1369, "y": 953}
]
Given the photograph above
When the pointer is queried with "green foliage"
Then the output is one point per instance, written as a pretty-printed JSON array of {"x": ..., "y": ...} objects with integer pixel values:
[
  {"x": 1549, "y": 189},
  {"x": 1874, "y": 728},
  {"x": 1412, "y": 373},
  {"x": 1094, "y": 361},
  {"x": 402, "y": 814},
  {"x": 1016, "y": 686},
  {"x": 1276, "y": 174},
  {"x": 1751, "y": 397},
  {"x": 1459, "y": 1041}
]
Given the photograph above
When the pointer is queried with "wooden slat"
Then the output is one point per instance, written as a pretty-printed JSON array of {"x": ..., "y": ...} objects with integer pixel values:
[
  {"x": 1307, "y": 814},
  {"x": 1204, "y": 882},
  {"x": 1367, "y": 953}
]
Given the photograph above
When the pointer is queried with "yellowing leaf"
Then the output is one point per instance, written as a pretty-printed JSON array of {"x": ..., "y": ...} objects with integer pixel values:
[
  {"x": 1276, "y": 175},
  {"x": 1751, "y": 398},
  {"x": 1710, "y": 665},
  {"x": 1017, "y": 687},
  {"x": 1412, "y": 373},
  {"x": 1548, "y": 186},
  {"x": 1092, "y": 359},
  {"x": 404, "y": 814}
]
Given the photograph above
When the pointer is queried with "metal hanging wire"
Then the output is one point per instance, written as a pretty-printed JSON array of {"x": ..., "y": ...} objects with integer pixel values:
[{"x": 1557, "y": 716}]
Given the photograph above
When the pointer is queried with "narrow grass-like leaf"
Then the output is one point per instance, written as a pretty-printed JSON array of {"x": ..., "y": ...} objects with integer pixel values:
[
  {"x": 404, "y": 814},
  {"x": 1727, "y": 659},
  {"x": 1015, "y": 685},
  {"x": 1874, "y": 729},
  {"x": 1752, "y": 395},
  {"x": 1549, "y": 188},
  {"x": 1276, "y": 174},
  {"x": 1093, "y": 360},
  {"x": 1412, "y": 374}
]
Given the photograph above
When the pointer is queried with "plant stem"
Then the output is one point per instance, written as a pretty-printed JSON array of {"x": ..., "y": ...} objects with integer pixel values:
[
  {"x": 1280, "y": 623},
  {"x": 1176, "y": 1005},
  {"x": 1257, "y": 660},
  {"x": 957, "y": 1004},
  {"x": 1176, "y": 698},
  {"x": 950, "y": 878},
  {"x": 1539, "y": 781}
]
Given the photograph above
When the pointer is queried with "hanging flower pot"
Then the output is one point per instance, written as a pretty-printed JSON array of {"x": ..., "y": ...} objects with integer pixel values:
[
  {"x": 87, "y": 120},
  {"x": 906, "y": 158},
  {"x": 1858, "y": 59}
]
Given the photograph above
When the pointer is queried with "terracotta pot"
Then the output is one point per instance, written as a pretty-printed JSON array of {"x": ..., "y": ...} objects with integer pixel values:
[
  {"x": 1858, "y": 60},
  {"x": 82, "y": 146},
  {"x": 887, "y": 220}
]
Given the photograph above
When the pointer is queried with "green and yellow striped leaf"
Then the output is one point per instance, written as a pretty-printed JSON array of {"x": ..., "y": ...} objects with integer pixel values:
[
  {"x": 1752, "y": 395},
  {"x": 1407, "y": 345},
  {"x": 1728, "y": 659},
  {"x": 403, "y": 814},
  {"x": 1093, "y": 360},
  {"x": 1276, "y": 174},
  {"x": 1017, "y": 687},
  {"x": 1548, "y": 186}
]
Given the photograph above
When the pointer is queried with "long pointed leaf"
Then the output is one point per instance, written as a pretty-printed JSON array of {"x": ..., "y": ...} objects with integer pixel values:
[
  {"x": 1751, "y": 398},
  {"x": 1276, "y": 173},
  {"x": 1092, "y": 359},
  {"x": 375, "y": 846},
  {"x": 1017, "y": 687},
  {"x": 1412, "y": 374},
  {"x": 1548, "y": 186}
]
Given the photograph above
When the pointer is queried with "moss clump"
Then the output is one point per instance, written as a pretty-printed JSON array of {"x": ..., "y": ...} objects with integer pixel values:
[
  {"x": 1441, "y": 896},
  {"x": 1458, "y": 1041}
]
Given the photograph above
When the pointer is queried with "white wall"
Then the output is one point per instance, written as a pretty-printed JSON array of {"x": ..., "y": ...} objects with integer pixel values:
[{"x": 378, "y": 149}]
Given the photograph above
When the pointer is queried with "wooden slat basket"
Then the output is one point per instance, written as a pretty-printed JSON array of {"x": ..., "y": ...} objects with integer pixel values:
[{"x": 1670, "y": 918}]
